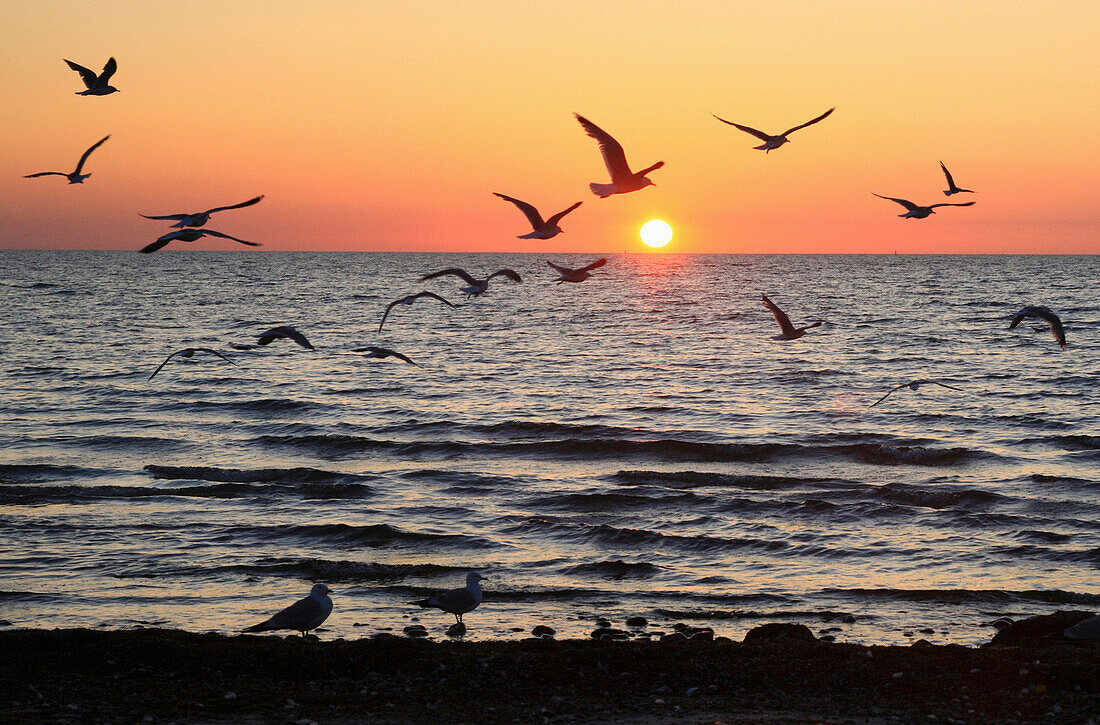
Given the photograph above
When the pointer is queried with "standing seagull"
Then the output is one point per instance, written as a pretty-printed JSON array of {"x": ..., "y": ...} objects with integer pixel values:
[
  {"x": 623, "y": 180},
  {"x": 457, "y": 601},
  {"x": 76, "y": 177},
  {"x": 1045, "y": 314},
  {"x": 284, "y": 332},
  {"x": 790, "y": 332},
  {"x": 189, "y": 352},
  {"x": 576, "y": 275},
  {"x": 916, "y": 211},
  {"x": 198, "y": 219},
  {"x": 543, "y": 229},
  {"x": 951, "y": 188},
  {"x": 408, "y": 300},
  {"x": 914, "y": 385},
  {"x": 475, "y": 286},
  {"x": 96, "y": 85},
  {"x": 774, "y": 142},
  {"x": 382, "y": 352},
  {"x": 305, "y": 614},
  {"x": 189, "y": 235}
]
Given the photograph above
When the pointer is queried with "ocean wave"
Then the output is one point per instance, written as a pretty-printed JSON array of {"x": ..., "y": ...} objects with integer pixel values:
[
  {"x": 1065, "y": 442},
  {"x": 934, "y": 498},
  {"x": 38, "y": 472},
  {"x": 256, "y": 475},
  {"x": 968, "y": 596},
  {"x": 608, "y": 535},
  {"x": 30, "y": 495},
  {"x": 378, "y": 535},
  {"x": 343, "y": 570},
  {"x": 695, "y": 479},
  {"x": 823, "y": 615},
  {"x": 615, "y": 569},
  {"x": 603, "y": 501}
]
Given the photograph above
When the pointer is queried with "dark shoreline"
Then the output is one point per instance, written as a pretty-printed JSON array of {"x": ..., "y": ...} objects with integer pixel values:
[{"x": 155, "y": 675}]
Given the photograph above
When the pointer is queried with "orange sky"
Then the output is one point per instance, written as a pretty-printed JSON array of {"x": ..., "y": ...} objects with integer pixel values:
[{"x": 388, "y": 125}]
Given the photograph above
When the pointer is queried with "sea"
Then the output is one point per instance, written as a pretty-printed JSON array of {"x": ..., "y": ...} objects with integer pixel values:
[{"x": 633, "y": 445}]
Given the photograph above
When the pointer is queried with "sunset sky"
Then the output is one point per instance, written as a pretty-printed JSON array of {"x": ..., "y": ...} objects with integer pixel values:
[{"x": 388, "y": 125}]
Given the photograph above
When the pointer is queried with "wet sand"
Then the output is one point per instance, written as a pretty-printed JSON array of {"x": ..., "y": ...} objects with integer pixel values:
[{"x": 168, "y": 675}]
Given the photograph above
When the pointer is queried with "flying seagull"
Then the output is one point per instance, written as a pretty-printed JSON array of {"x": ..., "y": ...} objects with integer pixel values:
[
  {"x": 457, "y": 601},
  {"x": 790, "y": 332},
  {"x": 305, "y": 614},
  {"x": 76, "y": 177},
  {"x": 96, "y": 85},
  {"x": 189, "y": 352},
  {"x": 474, "y": 286},
  {"x": 623, "y": 180},
  {"x": 198, "y": 219},
  {"x": 951, "y": 188},
  {"x": 382, "y": 352},
  {"x": 918, "y": 212},
  {"x": 190, "y": 235},
  {"x": 774, "y": 142},
  {"x": 542, "y": 229},
  {"x": 284, "y": 332},
  {"x": 1045, "y": 314},
  {"x": 408, "y": 300},
  {"x": 576, "y": 275},
  {"x": 914, "y": 385}
]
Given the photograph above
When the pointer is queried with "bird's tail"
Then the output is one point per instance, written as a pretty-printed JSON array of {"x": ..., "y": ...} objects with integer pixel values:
[
  {"x": 426, "y": 603},
  {"x": 819, "y": 323},
  {"x": 602, "y": 190},
  {"x": 261, "y": 627}
]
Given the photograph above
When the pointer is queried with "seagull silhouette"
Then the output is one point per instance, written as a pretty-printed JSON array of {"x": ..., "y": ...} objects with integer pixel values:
[
  {"x": 1045, "y": 314},
  {"x": 474, "y": 286},
  {"x": 951, "y": 188},
  {"x": 382, "y": 352},
  {"x": 408, "y": 300},
  {"x": 96, "y": 85},
  {"x": 914, "y": 385},
  {"x": 189, "y": 352},
  {"x": 305, "y": 614},
  {"x": 283, "y": 332},
  {"x": 623, "y": 180},
  {"x": 542, "y": 229},
  {"x": 198, "y": 219},
  {"x": 189, "y": 235},
  {"x": 457, "y": 601},
  {"x": 916, "y": 211},
  {"x": 76, "y": 177},
  {"x": 774, "y": 142},
  {"x": 576, "y": 275},
  {"x": 790, "y": 332}
]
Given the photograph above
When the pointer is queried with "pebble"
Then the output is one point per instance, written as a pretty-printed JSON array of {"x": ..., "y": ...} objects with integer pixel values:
[
  {"x": 458, "y": 629},
  {"x": 927, "y": 630},
  {"x": 543, "y": 631},
  {"x": 603, "y": 623},
  {"x": 609, "y": 633},
  {"x": 898, "y": 675},
  {"x": 4, "y": 623},
  {"x": 849, "y": 619},
  {"x": 637, "y": 622},
  {"x": 827, "y": 638},
  {"x": 230, "y": 695},
  {"x": 674, "y": 637}
]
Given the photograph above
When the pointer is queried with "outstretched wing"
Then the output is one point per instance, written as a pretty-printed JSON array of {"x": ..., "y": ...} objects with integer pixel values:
[
  {"x": 384, "y": 352},
  {"x": 809, "y": 123},
  {"x": 44, "y": 173},
  {"x": 509, "y": 273},
  {"x": 779, "y": 315},
  {"x": 747, "y": 129},
  {"x": 108, "y": 71},
  {"x": 595, "y": 265},
  {"x": 434, "y": 296},
  {"x": 967, "y": 203},
  {"x": 560, "y": 270},
  {"x": 212, "y": 233},
  {"x": 614, "y": 158},
  {"x": 450, "y": 270},
  {"x": 389, "y": 307},
  {"x": 529, "y": 211},
  {"x": 872, "y": 405},
  {"x": 557, "y": 217},
  {"x": 175, "y": 217},
  {"x": 243, "y": 204},
  {"x": 212, "y": 351},
  {"x": 907, "y": 204},
  {"x": 950, "y": 181},
  {"x": 163, "y": 363},
  {"x": 149, "y": 248},
  {"x": 86, "y": 75},
  {"x": 97, "y": 144},
  {"x": 945, "y": 385}
]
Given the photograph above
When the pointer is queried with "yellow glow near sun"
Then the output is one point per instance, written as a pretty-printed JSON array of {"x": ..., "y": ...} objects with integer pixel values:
[{"x": 656, "y": 233}]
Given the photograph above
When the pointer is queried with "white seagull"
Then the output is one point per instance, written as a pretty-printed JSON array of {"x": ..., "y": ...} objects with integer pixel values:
[
  {"x": 284, "y": 332},
  {"x": 474, "y": 286},
  {"x": 576, "y": 275},
  {"x": 408, "y": 300},
  {"x": 189, "y": 352},
  {"x": 96, "y": 85},
  {"x": 382, "y": 352},
  {"x": 914, "y": 385},
  {"x": 774, "y": 142},
  {"x": 190, "y": 235},
  {"x": 542, "y": 229},
  {"x": 951, "y": 188},
  {"x": 198, "y": 219},
  {"x": 790, "y": 332},
  {"x": 457, "y": 601},
  {"x": 623, "y": 180},
  {"x": 76, "y": 177},
  {"x": 305, "y": 614},
  {"x": 916, "y": 211},
  {"x": 1045, "y": 314}
]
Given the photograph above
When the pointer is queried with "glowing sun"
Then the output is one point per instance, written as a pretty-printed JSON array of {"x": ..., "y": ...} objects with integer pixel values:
[{"x": 656, "y": 233}]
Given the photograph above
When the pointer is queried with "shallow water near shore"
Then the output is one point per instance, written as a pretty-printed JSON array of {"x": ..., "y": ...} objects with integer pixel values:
[{"x": 633, "y": 445}]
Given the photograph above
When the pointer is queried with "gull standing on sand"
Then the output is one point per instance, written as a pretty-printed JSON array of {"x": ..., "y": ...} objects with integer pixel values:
[
  {"x": 774, "y": 142},
  {"x": 198, "y": 219},
  {"x": 189, "y": 352},
  {"x": 305, "y": 614},
  {"x": 951, "y": 188},
  {"x": 190, "y": 235},
  {"x": 382, "y": 352},
  {"x": 76, "y": 177},
  {"x": 283, "y": 332},
  {"x": 916, "y": 211},
  {"x": 96, "y": 85},
  {"x": 408, "y": 300},
  {"x": 542, "y": 229},
  {"x": 790, "y": 332},
  {"x": 914, "y": 385},
  {"x": 576, "y": 275},
  {"x": 623, "y": 180},
  {"x": 457, "y": 601},
  {"x": 474, "y": 286},
  {"x": 1045, "y": 314}
]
